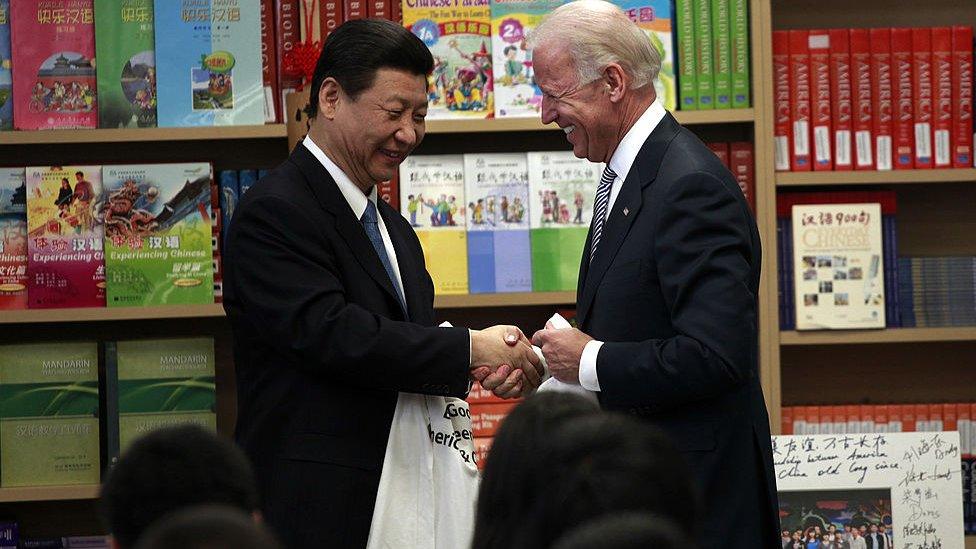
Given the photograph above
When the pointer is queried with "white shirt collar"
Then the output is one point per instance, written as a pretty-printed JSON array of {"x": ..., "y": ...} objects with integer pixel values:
[
  {"x": 623, "y": 158},
  {"x": 353, "y": 194}
]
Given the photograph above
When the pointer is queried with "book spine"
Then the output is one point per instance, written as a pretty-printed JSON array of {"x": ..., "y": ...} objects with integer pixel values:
[
  {"x": 354, "y": 9},
  {"x": 742, "y": 167},
  {"x": 962, "y": 97},
  {"x": 330, "y": 14},
  {"x": 288, "y": 33},
  {"x": 741, "y": 85},
  {"x": 112, "y": 447},
  {"x": 786, "y": 420},
  {"x": 684, "y": 15},
  {"x": 860, "y": 46},
  {"x": 781, "y": 88},
  {"x": 881, "y": 91},
  {"x": 800, "y": 100},
  {"x": 942, "y": 100},
  {"x": 923, "y": 93},
  {"x": 904, "y": 99},
  {"x": 721, "y": 150},
  {"x": 722, "y": 52},
  {"x": 705, "y": 65},
  {"x": 819, "y": 45},
  {"x": 7, "y": 108},
  {"x": 390, "y": 191},
  {"x": 379, "y": 8},
  {"x": 841, "y": 98},
  {"x": 269, "y": 63}
]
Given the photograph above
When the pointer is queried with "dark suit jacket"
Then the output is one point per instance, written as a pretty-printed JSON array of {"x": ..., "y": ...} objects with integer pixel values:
[
  {"x": 672, "y": 291},
  {"x": 321, "y": 349}
]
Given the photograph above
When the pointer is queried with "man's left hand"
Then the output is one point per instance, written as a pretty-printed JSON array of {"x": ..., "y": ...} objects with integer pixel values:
[{"x": 563, "y": 350}]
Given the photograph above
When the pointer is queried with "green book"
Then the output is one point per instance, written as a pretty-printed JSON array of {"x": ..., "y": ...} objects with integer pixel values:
[
  {"x": 125, "y": 50},
  {"x": 561, "y": 192},
  {"x": 684, "y": 15},
  {"x": 705, "y": 67},
  {"x": 740, "y": 53},
  {"x": 158, "y": 383},
  {"x": 49, "y": 414},
  {"x": 722, "y": 53}
]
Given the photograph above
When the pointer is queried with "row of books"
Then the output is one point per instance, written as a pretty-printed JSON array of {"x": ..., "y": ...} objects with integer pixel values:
[
  {"x": 115, "y": 235},
  {"x": 712, "y": 54},
  {"x": 507, "y": 222},
  {"x": 873, "y": 99},
  {"x": 937, "y": 291},
  {"x": 10, "y": 538},
  {"x": 54, "y": 406}
]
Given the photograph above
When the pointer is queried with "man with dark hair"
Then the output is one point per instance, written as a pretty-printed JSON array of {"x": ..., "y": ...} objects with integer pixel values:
[
  {"x": 631, "y": 530},
  {"x": 207, "y": 527},
  {"x": 169, "y": 469},
  {"x": 331, "y": 304}
]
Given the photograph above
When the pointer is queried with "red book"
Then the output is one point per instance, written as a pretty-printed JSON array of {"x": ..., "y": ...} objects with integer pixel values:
[
  {"x": 908, "y": 420},
  {"x": 721, "y": 150},
  {"x": 819, "y": 45},
  {"x": 330, "y": 17},
  {"x": 838, "y": 420},
  {"x": 269, "y": 62},
  {"x": 485, "y": 418},
  {"x": 288, "y": 32},
  {"x": 894, "y": 418},
  {"x": 800, "y": 160},
  {"x": 962, "y": 97},
  {"x": 482, "y": 445},
  {"x": 922, "y": 86},
  {"x": 743, "y": 168},
  {"x": 881, "y": 418},
  {"x": 379, "y": 8},
  {"x": 390, "y": 191},
  {"x": 942, "y": 96},
  {"x": 881, "y": 92},
  {"x": 396, "y": 12},
  {"x": 867, "y": 418},
  {"x": 853, "y": 418},
  {"x": 781, "y": 90},
  {"x": 354, "y": 9},
  {"x": 813, "y": 420},
  {"x": 964, "y": 412},
  {"x": 841, "y": 98},
  {"x": 922, "y": 418},
  {"x": 13, "y": 239},
  {"x": 861, "y": 90},
  {"x": 936, "y": 419},
  {"x": 786, "y": 420},
  {"x": 950, "y": 417},
  {"x": 903, "y": 126}
]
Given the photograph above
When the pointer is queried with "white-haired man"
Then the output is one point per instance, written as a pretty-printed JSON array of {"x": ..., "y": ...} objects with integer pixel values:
[{"x": 666, "y": 301}]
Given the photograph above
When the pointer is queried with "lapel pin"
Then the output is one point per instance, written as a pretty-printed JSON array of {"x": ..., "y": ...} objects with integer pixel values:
[{"x": 626, "y": 211}]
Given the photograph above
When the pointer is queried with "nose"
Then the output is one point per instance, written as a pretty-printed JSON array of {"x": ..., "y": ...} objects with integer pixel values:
[
  {"x": 410, "y": 133},
  {"x": 548, "y": 110}
]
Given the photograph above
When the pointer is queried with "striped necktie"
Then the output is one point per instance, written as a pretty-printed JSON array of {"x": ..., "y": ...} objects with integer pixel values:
[{"x": 600, "y": 207}]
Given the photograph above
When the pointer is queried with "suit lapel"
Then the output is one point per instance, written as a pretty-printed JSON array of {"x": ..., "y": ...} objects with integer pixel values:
[
  {"x": 626, "y": 207},
  {"x": 329, "y": 197}
]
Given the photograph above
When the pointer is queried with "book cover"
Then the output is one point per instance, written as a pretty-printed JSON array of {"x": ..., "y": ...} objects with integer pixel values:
[
  {"x": 841, "y": 97},
  {"x": 13, "y": 239},
  {"x": 269, "y": 63},
  {"x": 862, "y": 102},
  {"x": 211, "y": 72},
  {"x": 458, "y": 34},
  {"x": 287, "y": 34},
  {"x": 53, "y": 50},
  {"x": 655, "y": 17},
  {"x": 432, "y": 200},
  {"x": 684, "y": 22},
  {"x": 516, "y": 94},
  {"x": 497, "y": 193},
  {"x": 6, "y": 81},
  {"x": 741, "y": 82},
  {"x": 819, "y": 46},
  {"x": 705, "y": 61},
  {"x": 157, "y": 234},
  {"x": 942, "y": 96},
  {"x": 782, "y": 101},
  {"x": 923, "y": 93},
  {"x": 230, "y": 193},
  {"x": 65, "y": 233},
  {"x": 354, "y": 9},
  {"x": 125, "y": 49},
  {"x": 839, "y": 280},
  {"x": 962, "y": 97},
  {"x": 49, "y": 414},
  {"x": 561, "y": 192},
  {"x": 722, "y": 44},
  {"x": 330, "y": 15},
  {"x": 800, "y": 90},
  {"x": 161, "y": 383},
  {"x": 742, "y": 166},
  {"x": 903, "y": 98},
  {"x": 883, "y": 98}
]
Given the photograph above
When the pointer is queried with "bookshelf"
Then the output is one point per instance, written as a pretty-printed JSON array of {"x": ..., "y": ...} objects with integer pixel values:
[
  {"x": 800, "y": 179},
  {"x": 48, "y": 493},
  {"x": 868, "y": 337},
  {"x": 125, "y": 135},
  {"x": 109, "y": 314}
]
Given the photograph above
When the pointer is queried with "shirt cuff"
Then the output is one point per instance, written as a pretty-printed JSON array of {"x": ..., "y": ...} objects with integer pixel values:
[{"x": 587, "y": 370}]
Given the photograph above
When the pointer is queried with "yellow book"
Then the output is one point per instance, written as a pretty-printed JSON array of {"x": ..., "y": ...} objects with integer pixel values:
[{"x": 446, "y": 256}]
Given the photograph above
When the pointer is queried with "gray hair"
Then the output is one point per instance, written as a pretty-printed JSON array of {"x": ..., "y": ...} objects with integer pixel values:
[{"x": 598, "y": 33}]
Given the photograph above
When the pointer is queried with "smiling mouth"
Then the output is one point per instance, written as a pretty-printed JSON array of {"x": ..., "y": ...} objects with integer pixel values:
[{"x": 393, "y": 155}]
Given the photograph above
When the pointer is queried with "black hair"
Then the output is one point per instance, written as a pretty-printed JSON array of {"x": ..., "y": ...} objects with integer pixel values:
[
  {"x": 358, "y": 48},
  {"x": 207, "y": 527},
  {"x": 631, "y": 530}
]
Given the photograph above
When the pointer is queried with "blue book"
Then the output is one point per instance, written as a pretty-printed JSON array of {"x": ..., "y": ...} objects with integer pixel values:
[
  {"x": 6, "y": 83},
  {"x": 247, "y": 179},
  {"x": 9, "y": 537},
  {"x": 210, "y": 73},
  {"x": 497, "y": 193},
  {"x": 229, "y": 196}
]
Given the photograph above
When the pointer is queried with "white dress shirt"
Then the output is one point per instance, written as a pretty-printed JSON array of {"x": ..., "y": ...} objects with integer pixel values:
[{"x": 621, "y": 162}]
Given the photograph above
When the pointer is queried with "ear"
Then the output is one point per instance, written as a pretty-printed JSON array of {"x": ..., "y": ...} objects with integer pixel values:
[
  {"x": 329, "y": 95},
  {"x": 616, "y": 81}
]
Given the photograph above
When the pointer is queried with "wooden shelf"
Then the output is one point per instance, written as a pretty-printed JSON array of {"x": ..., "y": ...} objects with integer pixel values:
[
  {"x": 93, "y": 314},
  {"x": 504, "y": 300},
  {"x": 890, "y": 335},
  {"x": 790, "y": 179},
  {"x": 48, "y": 493},
  {"x": 43, "y": 137},
  {"x": 479, "y": 125},
  {"x": 970, "y": 542}
]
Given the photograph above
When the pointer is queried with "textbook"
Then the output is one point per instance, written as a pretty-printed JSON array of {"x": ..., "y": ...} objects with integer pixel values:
[
  {"x": 125, "y": 50},
  {"x": 13, "y": 239},
  {"x": 516, "y": 93},
  {"x": 655, "y": 18},
  {"x": 6, "y": 82}
]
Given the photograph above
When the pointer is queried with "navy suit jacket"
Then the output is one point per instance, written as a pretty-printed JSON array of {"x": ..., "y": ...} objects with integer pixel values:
[
  {"x": 672, "y": 291},
  {"x": 321, "y": 348}
]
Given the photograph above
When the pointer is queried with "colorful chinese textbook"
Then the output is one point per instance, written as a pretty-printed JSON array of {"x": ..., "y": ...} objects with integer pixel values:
[
  {"x": 516, "y": 94},
  {"x": 13, "y": 239},
  {"x": 655, "y": 18},
  {"x": 6, "y": 81},
  {"x": 126, "y": 55}
]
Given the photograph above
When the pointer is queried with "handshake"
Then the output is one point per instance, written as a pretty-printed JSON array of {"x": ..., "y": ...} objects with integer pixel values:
[{"x": 503, "y": 361}]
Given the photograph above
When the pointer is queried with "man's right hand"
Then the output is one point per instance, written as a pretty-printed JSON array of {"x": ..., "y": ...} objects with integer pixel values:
[{"x": 502, "y": 361}]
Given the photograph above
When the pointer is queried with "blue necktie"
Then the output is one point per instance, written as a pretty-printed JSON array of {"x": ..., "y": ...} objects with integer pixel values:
[
  {"x": 600, "y": 207},
  {"x": 372, "y": 227}
]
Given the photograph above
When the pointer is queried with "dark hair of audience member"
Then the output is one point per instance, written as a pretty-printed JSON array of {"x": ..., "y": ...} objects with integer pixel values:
[
  {"x": 508, "y": 486},
  {"x": 207, "y": 527},
  {"x": 602, "y": 465},
  {"x": 632, "y": 530},
  {"x": 169, "y": 469}
]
